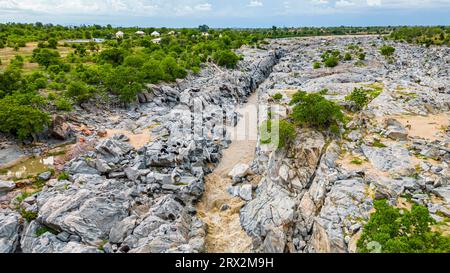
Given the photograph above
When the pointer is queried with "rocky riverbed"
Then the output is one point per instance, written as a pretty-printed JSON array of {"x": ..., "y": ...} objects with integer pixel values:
[
  {"x": 120, "y": 198},
  {"x": 137, "y": 179}
]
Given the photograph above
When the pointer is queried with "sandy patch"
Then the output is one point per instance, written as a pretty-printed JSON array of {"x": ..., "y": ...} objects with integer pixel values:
[
  {"x": 136, "y": 140},
  {"x": 429, "y": 127}
]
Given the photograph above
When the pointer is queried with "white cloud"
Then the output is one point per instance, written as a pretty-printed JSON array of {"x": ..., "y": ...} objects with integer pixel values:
[
  {"x": 374, "y": 3},
  {"x": 344, "y": 3},
  {"x": 203, "y": 7},
  {"x": 255, "y": 3},
  {"x": 320, "y": 2}
]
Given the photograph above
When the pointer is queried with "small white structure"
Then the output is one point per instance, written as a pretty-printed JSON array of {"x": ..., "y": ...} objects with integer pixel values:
[
  {"x": 172, "y": 32},
  {"x": 157, "y": 40},
  {"x": 155, "y": 34},
  {"x": 140, "y": 33},
  {"x": 119, "y": 34},
  {"x": 205, "y": 34}
]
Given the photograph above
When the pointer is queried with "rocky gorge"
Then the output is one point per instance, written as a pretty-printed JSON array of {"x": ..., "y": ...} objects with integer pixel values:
[{"x": 314, "y": 195}]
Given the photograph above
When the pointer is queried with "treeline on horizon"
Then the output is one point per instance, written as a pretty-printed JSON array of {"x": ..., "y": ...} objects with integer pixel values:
[{"x": 120, "y": 67}]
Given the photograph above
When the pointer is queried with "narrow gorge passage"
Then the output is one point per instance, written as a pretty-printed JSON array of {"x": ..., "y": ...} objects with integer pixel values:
[{"x": 218, "y": 208}]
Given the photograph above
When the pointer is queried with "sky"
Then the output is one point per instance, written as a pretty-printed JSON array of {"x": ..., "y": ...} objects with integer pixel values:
[{"x": 228, "y": 13}]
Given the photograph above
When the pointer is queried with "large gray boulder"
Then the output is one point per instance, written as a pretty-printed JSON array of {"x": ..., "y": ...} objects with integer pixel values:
[
  {"x": 9, "y": 230},
  {"x": 6, "y": 186}
]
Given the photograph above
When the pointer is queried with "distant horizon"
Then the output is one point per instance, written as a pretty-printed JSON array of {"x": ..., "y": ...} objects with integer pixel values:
[
  {"x": 212, "y": 27},
  {"x": 229, "y": 14}
]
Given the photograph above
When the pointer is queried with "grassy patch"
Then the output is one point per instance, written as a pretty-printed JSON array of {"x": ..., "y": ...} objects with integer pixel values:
[
  {"x": 43, "y": 230},
  {"x": 378, "y": 144},
  {"x": 357, "y": 161}
]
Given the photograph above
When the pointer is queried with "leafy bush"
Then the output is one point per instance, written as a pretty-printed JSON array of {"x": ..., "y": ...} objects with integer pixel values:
[
  {"x": 277, "y": 96},
  {"x": 282, "y": 131},
  {"x": 114, "y": 56},
  {"x": 124, "y": 81},
  {"x": 79, "y": 91},
  {"x": 331, "y": 58},
  {"x": 45, "y": 57},
  {"x": 171, "y": 69},
  {"x": 63, "y": 104},
  {"x": 152, "y": 71},
  {"x": 63, "y": 176},
  {"x": 362, "y": 56},
  {"x": 402, "y": 232},
  {"x": 11, "y": 80},
  {"x": 20, "y": 115},
  {"x": 358, "y": 97},
  {"x": 317, "y": 65},
  {"x": 226, "y": 58},
  {"x": 387, "y": 50},
  {"x": 316, "y": 111},
  {"x": 347, "y": 57}
]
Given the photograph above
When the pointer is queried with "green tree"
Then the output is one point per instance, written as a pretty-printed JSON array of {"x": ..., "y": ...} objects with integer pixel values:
[
  {"x": 46, "y": 57},
  {"x": 113, "y": 55},
  {"x": 171, "y": 69},
  {"x": 20, "y": 115},
  {"x": 126, "y": 82},
  {"x": 402, "y": 232},
  {"x": 226, "y": 58},
  {"x": 387, "y": 50},
  {"x": 79, "y": 91},
  {"x": 314, "y": 110},
  {"x": 52, "y": 43},
  {"x": 359, "y": 98}
]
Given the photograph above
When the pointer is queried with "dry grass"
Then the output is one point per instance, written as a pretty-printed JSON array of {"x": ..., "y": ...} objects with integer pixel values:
[{"x": 8, "y": 53}]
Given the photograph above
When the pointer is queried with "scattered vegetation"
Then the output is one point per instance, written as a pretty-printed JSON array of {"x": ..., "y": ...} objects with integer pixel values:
[
  {"x": 280, "y": 132},
  {"x": 316, "y": 111},
  {"x": 28, "y": 215},
  {"x": 401, "y": 231},
  {"x": 378, "y": 144},
  {"x": 331, "y": 58},
  {"x": 277, "y": 96},
  {"x": 387, "y": 51},
  {"x": 422, "y": 35},
  {"x": 63, "y": 176},
  {"x": 41, "y": 230},
  {"x": 357, "y": 161}
]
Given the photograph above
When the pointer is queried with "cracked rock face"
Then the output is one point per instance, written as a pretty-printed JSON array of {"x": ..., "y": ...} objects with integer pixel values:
[{"x": 316, "y": 194}]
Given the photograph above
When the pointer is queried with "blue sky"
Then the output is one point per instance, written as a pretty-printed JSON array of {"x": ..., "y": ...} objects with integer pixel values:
[{"x": 228, "y": 13}]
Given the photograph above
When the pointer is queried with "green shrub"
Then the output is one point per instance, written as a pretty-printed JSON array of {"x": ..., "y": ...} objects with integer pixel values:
[
  {"x": 62, "y": 104},
  {"x": 402, "y": 232},
  {"x": 226, "y": 58},
  {"x": 63, "y": 176},
  {"x": 20, "y": 115},
  {"x": 28, "y": 215},
  {"x": 387, "y": 50},
  {"x": 277, "y": 96},
  {"x": 46, "y": 57},
  {"x": 331, "y": 61},
  {"x": 272, "y": 131},
  {"x": 41, "y": 230},
  {"x": 316, "y": 111},
  {"x": 347, "y": 57},
  {"x": 79, "y": 91},
  {"x": 317, "y": 65},
  {"x": 362, "y": 56},
  {"x": 359, "y": 98}
]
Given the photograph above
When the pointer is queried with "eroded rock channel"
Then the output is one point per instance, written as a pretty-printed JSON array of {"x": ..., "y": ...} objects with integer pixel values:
[
  {"x": 201, "y": 185},
  {"x": 121, "y": 199}
]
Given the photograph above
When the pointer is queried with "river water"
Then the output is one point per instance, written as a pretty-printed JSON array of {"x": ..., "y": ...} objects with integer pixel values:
[{"x": 225, "y": 233}]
